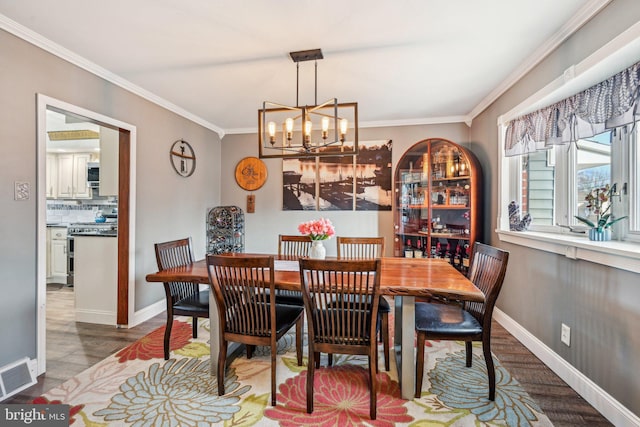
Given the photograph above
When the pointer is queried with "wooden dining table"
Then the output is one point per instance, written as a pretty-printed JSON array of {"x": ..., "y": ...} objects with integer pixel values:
[{"x": 401, "y": 278}]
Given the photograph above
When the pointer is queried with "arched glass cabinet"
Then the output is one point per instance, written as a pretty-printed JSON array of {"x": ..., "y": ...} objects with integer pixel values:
[{"x": 437, "y": 203}]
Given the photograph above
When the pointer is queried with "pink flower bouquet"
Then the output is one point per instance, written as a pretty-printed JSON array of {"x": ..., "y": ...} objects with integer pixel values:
[{"x": 320, "y": 229}]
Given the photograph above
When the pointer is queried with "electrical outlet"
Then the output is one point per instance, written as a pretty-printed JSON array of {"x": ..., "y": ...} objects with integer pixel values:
[{"x": 565, "y": 335}]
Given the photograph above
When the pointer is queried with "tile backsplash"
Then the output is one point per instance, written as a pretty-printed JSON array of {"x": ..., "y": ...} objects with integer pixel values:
[{"x": 67, "y": 212}]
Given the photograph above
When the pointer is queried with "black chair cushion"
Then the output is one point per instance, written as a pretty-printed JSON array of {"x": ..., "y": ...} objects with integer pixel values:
[
  {"x": 286, "y": 315},
  {"x": 445, "y": 320},
  {"x": 338, "y": 318},
  {"x": 198, "y": 302}
]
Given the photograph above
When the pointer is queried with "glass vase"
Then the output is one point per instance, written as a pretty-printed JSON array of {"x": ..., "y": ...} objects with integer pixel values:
[{"x": 317, "y": 251}]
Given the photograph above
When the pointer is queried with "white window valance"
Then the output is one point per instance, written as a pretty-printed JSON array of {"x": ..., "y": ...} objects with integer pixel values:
[{"x": 606, "y": 105}]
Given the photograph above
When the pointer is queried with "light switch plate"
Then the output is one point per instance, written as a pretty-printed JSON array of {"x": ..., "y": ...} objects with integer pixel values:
[{"x": 22, "y": 191}]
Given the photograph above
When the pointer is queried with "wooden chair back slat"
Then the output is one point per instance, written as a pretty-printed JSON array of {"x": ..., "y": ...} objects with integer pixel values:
[
  {"x": 360, "y": 247},
  {"x": 293, "y": 246}
]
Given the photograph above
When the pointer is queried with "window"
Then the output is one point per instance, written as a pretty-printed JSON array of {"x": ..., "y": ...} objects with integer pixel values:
[
  {"x": 538, "y": 186},
  {"x": 577, "y": 133},
  {"x": 593, "y": 170},
  {"x": 554, "y": 183}
]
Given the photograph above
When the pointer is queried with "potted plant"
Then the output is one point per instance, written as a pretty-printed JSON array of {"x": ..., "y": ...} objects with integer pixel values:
[{"x": 599, "y": 203}]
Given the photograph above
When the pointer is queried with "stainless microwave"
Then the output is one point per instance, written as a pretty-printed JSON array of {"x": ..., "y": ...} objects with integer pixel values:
[{"x": 93, "y": 174}]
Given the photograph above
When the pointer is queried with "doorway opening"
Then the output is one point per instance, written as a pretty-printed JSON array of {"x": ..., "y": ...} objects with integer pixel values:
[{"x": 125, "y": 141}]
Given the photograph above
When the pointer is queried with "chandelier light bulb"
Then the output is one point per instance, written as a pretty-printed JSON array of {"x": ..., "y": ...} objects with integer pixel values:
[
  {"x": 272, "y": 132},
  {"x": 289, "y": 128},
  {"x": 307, "y": 130},
  {"x": 325, "y": 127},
  {"x": 344, "y": 124}
]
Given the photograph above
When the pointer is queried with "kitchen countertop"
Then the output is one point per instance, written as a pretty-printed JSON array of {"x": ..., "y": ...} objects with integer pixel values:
[{"x": 103, "y": 234}]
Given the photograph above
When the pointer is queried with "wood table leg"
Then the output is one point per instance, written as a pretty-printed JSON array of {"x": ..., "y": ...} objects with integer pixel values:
[{"x": 404, "y": 343}]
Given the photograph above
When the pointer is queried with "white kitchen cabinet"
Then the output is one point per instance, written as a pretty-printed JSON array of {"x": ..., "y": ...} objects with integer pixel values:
[
  {"x": 95, "y": 283},
  {"x": 52, "y": 175},
  {"x": 57, "y": 268},
  {"x": 109, "y": 144},
  {"x": 72, "y": 176},
  {"x": 48, "y": 254}
]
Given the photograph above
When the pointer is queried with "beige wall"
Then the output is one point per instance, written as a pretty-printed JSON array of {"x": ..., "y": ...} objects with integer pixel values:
[{"x": 167, "y": 205}]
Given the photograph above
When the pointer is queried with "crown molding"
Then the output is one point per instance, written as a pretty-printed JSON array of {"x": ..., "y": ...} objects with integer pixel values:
[
  {"x": 42, "y": 42},
  {"x": 578, "y": 20},
  {"x": 383, "y": 123}
]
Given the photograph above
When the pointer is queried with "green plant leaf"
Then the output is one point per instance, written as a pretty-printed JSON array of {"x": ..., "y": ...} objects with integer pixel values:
[
  {"x": 613, "y": 221},
  {"x": 585, "y": 220}
]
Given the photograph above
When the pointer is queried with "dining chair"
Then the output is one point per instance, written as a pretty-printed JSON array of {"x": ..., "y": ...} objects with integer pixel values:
[
  {"x": 469, "y": 321},
  {"x": 341, "y": 299},
  {"x": 183, "y": 298},
  {"x": 367, "y": 248},
  {"x": 294, "y": 246},
  {"x": 244, "y": 292}
]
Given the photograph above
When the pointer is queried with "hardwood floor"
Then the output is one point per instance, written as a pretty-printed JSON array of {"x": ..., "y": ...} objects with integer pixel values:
[{"x": 73, "y": 347}]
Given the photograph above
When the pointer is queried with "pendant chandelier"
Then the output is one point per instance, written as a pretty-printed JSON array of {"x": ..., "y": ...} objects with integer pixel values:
[{"x": 327, "y": 129}]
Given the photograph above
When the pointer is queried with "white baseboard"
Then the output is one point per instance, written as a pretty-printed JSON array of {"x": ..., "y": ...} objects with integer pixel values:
[
  {"x": 602, "y": 401},
  {"x": 147, "y": 313},
  {"x": 96, "y": 316}
]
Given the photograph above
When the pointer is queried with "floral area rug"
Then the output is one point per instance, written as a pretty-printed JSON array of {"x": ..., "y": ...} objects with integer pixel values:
[{"x": 137, "y": 387}]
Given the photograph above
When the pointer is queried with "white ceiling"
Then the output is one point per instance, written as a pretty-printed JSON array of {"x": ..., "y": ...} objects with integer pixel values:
[{"x": 403, "y": 61}]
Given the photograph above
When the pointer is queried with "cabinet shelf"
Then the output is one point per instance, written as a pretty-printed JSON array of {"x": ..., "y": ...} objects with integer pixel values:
[
  {"x": 433, "y": 207},
  {"x": 434, "y": 235},
  {"x": 449, "y": 207},
  {"x": 451, "y": 236},
  {"x": 453, "y": 178}
]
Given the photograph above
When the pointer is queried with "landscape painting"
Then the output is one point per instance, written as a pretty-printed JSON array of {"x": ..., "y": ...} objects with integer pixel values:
[
  {"x": 335, "y": 175},
  {"x": 299, "y": 184},
  {"x": 373, "y": 176},
  {"x": 361, "y": 182}
]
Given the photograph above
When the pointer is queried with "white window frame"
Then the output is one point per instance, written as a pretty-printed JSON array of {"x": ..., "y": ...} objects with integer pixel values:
[{"x": 618, "y": 54}]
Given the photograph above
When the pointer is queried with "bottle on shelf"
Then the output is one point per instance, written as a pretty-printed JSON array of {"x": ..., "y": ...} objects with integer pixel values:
[
  {"x": 457, "y": 257},
  {"x": 417, "y": 252},
  {"x": 437, "y": 226},
  {"x": 408, "y": 249},
  {"x": 447, "y": 253},
  {"x": 466, "y": 252}
]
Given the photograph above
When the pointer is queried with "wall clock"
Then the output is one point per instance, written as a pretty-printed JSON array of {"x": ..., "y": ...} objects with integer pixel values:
[
  {"x": 251, "y": 173},
  {"x": 183, "y": 158}
]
